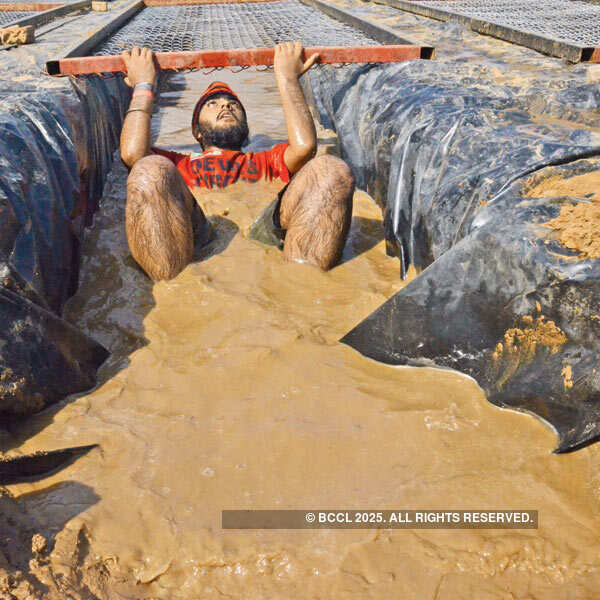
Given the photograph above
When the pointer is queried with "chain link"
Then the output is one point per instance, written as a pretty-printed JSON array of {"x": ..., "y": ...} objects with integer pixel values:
[
  {"x": 230, "y": 26},
  {"x": 570, "y": 21},
  {"x": 6, "y": 16}
]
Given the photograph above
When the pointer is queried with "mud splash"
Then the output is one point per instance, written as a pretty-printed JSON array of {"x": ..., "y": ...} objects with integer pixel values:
[
  {"x": 519, "y": 344},
  {"x": 578, "y": 226},
  {"x": 227, "y": 388},
  {"x": 585, "y": 186}
]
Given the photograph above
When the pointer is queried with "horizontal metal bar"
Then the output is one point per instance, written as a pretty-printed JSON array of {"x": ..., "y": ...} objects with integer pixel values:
[
  {"x": 27, "y": 6},
  {"x": 592, "y": 55},
  {"x": 200, "y": 2},
  {"x": 234, "y": 58},
  {"x": 46, "y": 16},
  {"x": 540, "y": 43},
  {"x": 96, "y": 36}
]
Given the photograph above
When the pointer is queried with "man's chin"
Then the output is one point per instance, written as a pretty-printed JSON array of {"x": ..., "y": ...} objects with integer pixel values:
[{"x": 226, "y": 135}]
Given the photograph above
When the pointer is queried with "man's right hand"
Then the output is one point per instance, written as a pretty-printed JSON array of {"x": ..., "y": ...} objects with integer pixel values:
[{"x": 140, "y": 66}]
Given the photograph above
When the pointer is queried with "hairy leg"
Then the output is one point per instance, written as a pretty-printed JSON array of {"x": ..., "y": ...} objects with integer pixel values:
[
  {"x": 160, "y": 218},
  {"x": 316, "y": 210}
]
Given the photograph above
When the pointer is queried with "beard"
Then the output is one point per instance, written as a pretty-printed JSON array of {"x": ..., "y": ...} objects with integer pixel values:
[{"x": 231, "y": 137}]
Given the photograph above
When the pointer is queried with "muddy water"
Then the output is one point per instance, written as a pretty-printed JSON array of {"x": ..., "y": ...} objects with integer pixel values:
[{"x": 228, "y": 389}]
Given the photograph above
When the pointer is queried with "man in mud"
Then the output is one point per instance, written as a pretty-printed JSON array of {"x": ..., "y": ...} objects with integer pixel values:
[{"x": 312, "y": 213}]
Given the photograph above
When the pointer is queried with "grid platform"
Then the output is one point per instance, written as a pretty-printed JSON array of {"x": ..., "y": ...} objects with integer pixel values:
[
  {"x": 8, "y": 16},
  {"x": 231, "y": 25},
  {"x": 563, "y": 28}
]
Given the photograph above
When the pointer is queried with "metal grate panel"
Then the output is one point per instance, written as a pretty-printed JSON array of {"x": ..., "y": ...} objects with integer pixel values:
[
  {"x": 570, "y": 21},
  {"x": 229, "y": 26},
  {"x": 7, "y": 16}
]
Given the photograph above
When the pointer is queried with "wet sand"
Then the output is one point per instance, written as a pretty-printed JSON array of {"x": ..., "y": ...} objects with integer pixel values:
[
  {"x": 577, "y": 224},
  {"x": 228, "y": 389}
]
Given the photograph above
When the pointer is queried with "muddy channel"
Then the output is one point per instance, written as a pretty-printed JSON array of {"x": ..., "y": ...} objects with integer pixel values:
[{"x": 227, "y": 388}]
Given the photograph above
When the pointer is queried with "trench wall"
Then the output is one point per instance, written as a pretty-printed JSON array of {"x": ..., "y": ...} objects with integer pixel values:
[
  {"x": 445, "y": 153},
  {"x": 450, "y": 155},
  {"x": 56, "y": 148}
]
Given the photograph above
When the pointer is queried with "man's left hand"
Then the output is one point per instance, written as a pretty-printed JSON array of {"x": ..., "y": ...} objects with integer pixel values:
[
  {"x": 288, "y": 60},
  {"x": 139, "y": 63}
]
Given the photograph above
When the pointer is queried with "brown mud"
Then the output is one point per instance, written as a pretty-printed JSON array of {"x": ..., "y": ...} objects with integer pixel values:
[
  {"x": 577, "y": 225},
  {"x": 228, "y": 388},
  {"x": 519, "y": 344},
  {"x": 585, "y": 186}
]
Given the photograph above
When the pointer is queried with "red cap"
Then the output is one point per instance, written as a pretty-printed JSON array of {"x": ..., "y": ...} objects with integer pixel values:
[{"x": 217, "y": 88}]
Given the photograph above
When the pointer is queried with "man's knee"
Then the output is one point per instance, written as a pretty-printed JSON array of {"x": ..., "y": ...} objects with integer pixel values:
[
  {"x": 328, "y": 171},
  {"x": 151, "y": 163},
  {"x": 316, "y": 211},
  {"x": 158, "y": 218},
  {"x": 324, "y": 183},
  {"x": 152, "y": 172},
  {"x": 328, "y": 190}
]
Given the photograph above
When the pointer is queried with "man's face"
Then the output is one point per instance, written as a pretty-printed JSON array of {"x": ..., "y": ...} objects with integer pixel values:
[{"x": 222, "y": 123}]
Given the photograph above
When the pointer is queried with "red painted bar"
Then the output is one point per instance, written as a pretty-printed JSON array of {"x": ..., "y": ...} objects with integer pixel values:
[
  {"x": 199, "y": 2},
  {"x": 237, "y": 58},
  {"x": 27, "y": 7}
]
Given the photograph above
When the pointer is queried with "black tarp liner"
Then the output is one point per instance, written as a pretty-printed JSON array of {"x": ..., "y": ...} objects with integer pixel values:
[
  {"x": 447, "y": 155},
  {"x": 56, "y": 148}
]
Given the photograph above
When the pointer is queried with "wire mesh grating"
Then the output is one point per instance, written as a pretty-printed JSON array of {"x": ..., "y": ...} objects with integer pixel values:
[
  {"x": 229, "y": 26},
  {"x": 7, "y": 16},
  {"x": 570, "y": 21}
]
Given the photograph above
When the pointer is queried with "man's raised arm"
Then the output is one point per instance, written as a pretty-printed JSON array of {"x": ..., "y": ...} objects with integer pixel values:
[
  {"x": 135, "y": 136},
  {"x": 301, "y": 129}
]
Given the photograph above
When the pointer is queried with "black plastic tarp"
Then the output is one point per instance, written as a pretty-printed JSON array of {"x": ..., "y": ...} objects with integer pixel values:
[
  {"x": 446, "y": 154},
  {"x": 56, "y": 148}
]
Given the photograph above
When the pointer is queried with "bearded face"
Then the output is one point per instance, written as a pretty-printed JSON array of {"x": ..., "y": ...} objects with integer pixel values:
[
  {"x": 229, "y": 136},
  {"x": 222, "y": 123}
]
